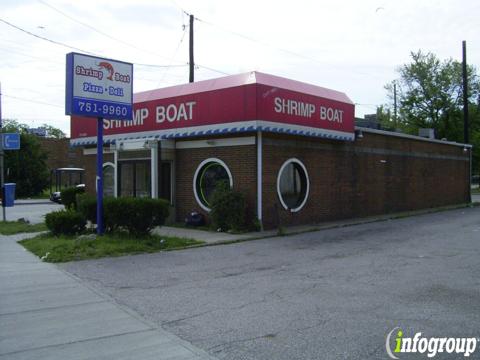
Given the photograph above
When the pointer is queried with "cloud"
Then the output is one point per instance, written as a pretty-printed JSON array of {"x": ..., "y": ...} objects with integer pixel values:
[{"x": 346, "y": 45}]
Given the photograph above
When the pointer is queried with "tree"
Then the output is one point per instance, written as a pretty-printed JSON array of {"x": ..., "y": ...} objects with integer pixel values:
[
  {"x": 430, "y": 95},
  {"x": 385, "y": 118},
  {"x": 25, "y": 167},
  {"x": 53, "y": 132}
]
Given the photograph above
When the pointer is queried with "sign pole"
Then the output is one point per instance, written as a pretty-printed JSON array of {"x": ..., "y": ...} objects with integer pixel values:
[
  {"x": 98, "y": 88},
  {"x": 2, "y": 164},
  {"x": 100, "y": 228},
  {"x": 2, "y": 179}
]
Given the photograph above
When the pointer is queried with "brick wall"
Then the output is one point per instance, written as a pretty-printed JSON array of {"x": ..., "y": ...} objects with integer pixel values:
[
  {"x": 89, "y": 163},
  {"x": 241, "y": 160},
  {"x": 60, "y": 154},
  {"x": 374, "y": 175}
]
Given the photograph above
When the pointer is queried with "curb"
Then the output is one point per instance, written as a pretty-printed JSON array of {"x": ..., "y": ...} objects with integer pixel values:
[{"x": 358, "y": 221}]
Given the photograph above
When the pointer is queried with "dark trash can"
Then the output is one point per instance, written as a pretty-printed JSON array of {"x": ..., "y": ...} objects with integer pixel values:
[{"x": 195, "y": 219}]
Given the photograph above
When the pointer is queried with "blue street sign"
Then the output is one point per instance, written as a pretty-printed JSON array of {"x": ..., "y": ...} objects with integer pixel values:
[{"x": 11, "y": 141}]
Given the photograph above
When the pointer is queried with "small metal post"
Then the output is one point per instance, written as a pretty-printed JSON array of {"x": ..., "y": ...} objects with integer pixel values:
[{"x": 466, "y": 139}]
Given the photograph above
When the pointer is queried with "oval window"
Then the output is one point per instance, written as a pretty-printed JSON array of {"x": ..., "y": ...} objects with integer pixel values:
[
  {"x": 293, "y": 185},
  {"x": 209, "y": 174}
]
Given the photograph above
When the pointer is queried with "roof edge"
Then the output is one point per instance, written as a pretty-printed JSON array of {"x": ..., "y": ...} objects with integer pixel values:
[
  {"x": 411, "y": 137},
  {"x": 251, "y": 77}
]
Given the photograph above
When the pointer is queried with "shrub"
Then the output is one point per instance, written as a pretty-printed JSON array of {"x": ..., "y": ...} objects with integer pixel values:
[
  {"x": 87, "y": 206},
  {"x": 65, "y": 222},
  {"x": 137, "y": 215},
  {"x": 69, "y": 195},
  {"x": 228, "y": 208},
  {"x": 255, "y": 225}
]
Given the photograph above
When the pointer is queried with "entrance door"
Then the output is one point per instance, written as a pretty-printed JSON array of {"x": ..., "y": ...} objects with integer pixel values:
[
  {"x": 134, "y": 178},
  {"x": 165, "y": 181}
]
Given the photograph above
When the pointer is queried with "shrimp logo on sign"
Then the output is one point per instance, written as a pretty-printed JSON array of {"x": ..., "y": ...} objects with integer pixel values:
[
  {"x": 107, "y": 66},
  {"x": 112, "y": 74}
]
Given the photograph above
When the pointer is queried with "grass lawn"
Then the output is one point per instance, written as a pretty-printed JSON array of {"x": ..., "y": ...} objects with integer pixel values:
[
  {"x": 70, "y": 248},
  {"x": 15, "y": 227}
]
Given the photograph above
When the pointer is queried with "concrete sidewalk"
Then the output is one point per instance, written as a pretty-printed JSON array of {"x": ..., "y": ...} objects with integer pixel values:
[
  {"x": 212, "y": 237},
  {"x": 47, "y": 314}
]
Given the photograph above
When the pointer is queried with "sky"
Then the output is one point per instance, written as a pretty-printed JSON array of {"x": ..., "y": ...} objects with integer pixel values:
[{"x": 348, "y": 45}]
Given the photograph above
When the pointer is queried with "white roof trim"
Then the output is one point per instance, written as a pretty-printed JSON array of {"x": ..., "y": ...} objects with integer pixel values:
[
  {"x": 411, "y": 137},
  {"x": 220, "y": 129}
]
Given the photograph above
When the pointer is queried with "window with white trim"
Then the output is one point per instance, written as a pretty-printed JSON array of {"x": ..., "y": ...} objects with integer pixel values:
[
  {"x": 293, "y": 185},
  {"x": 208, "y": 175}
]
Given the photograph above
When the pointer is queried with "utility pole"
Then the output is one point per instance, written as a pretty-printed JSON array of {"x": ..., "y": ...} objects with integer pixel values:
[
  {"x": 465, "y": 93},
  {"x": 190, "y": 47},
  {"x": 395, "y": 104}
]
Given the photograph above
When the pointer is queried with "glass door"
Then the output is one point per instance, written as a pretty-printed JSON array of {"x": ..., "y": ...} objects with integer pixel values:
[
  {"x": 165, "y": 181},
  {"x": 134, "y": 178},
  {"x": 125, "y": 174},
  {"x": 142, "y": 179}
]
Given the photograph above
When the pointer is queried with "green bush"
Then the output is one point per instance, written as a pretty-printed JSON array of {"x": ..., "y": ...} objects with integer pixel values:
[
  {"x": 87, "y": 206},
  {"x": 228, "y": 208},
  {"x": 69, "y": 196},
  {"x": 65, "y": 222},
  {"x": 137, "y": 215}
]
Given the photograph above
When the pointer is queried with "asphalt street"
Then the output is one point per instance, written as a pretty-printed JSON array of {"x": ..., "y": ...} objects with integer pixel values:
[{"x": 322, "y": 295}]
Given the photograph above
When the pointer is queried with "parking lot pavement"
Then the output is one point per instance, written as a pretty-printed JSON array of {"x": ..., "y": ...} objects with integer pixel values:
[
  {"x": 323, "y": 295},
  {"x": 32, "y": 210},
  {"x": 47, "y": 314}
]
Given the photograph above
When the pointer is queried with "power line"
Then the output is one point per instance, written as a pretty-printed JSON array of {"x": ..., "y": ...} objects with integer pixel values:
[
  {"x": 45, "y": 39},
  {"x": 264, "y": 43},
  {"x": 73, "y": 47},
  {"x": 260, "y": 41},
  {"x": 212, "y": 69},
  {"x": 91, "y": 53},
  {"x": 100, "y": 31},
  {"x": 162, "y": 66},
  {"x": 32, "y": 101},
  {"x": 30, "y": 56}
]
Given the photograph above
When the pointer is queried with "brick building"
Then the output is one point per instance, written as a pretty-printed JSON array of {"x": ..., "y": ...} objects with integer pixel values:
[
  {"x": 60, "y": 154},
  {"x": 290, "y": 147}
]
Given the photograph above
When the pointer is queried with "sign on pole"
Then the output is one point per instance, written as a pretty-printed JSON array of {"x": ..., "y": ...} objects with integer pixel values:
[
  {"x": 11, "y": 141},
  {"x": 98, "y": 87}
]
